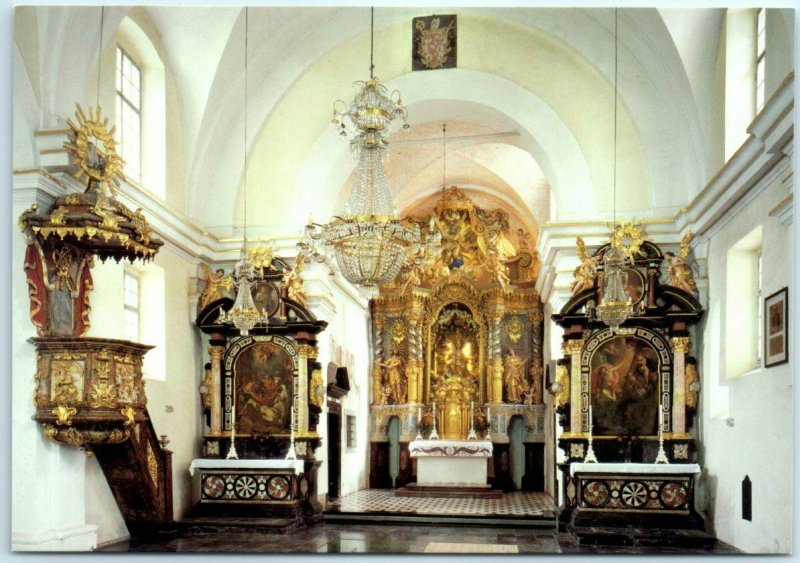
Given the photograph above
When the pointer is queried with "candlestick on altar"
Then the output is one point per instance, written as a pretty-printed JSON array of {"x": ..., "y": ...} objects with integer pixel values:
[
  {"x": 489, "y": 420},
  {"x": 232, "y": 449},
  {"x": 661, "y": 457},
  {"x": 291, "y": 454},
  {"x": 419, "y": 414},
  {"x": 434, "y": 434},
  {"x": 591, "y": 421},
  {"x": 472, "y": 435},
  {"x": 419, "y": 421},
  {"x": 590, "y": 456}
]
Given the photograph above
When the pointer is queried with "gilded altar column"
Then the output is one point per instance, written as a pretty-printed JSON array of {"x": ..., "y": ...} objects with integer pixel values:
[
  {"x": 495, "y": 368},
  {"x": 573, "y": 349},
  {"x": 680, "y": 348},
  {"x": 379, "y": 324},
  {"x": 414, "y": 361},
  {"x": 307, "y": 353},
  {"x": 216, "y": 353}
]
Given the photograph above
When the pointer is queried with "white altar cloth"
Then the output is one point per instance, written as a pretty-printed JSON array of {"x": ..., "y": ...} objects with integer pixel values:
[
  {"x": 296, "y": 464},
  {"x": 646, "y": 468},
  {"x": 451, "y": 461}
]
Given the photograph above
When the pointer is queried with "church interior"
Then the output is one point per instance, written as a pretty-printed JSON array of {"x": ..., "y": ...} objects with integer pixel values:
[{"x": 402, "y": 279}]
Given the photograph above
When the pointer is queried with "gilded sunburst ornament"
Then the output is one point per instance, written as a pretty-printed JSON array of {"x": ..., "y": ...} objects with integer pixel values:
[
  {"x": 629, "y": 237},
  {"x": 92, "y": 147}
]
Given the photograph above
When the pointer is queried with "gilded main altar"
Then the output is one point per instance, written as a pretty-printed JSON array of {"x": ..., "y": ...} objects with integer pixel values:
[{"x": 461, "y": 330}]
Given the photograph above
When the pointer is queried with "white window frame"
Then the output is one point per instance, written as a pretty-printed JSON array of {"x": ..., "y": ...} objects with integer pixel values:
[
  {"x": 761, "y": 51},
  {"x": 131, "y": 277},
  {"x": 128, "y": 146}
]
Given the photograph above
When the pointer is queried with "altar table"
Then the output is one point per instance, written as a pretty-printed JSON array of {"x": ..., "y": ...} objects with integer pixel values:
[
  {"x": 637, "y": 494},
  {"x": 451, "y": 461}
]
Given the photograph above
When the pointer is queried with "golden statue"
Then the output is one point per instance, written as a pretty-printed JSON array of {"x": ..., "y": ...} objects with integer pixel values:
[
  {"x": 293, "y": 283},
  {"x": 217, "y": 284},
  {"x": 586, "y": 272},
  {"x": 679, "y": 272},
  {"x": 515, "y": 376},
  {"x": 394, "y": 388}
]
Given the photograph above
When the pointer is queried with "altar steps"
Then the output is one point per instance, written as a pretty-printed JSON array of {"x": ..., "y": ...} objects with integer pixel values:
[
  {"x": 644, "y": 537},
  {"x": 198, "y": 525},
  {"x": 448, "y": 490},
  {"x": 421, "y": 519}
]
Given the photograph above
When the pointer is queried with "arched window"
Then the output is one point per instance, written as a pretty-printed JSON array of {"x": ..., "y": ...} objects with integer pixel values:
[{"x": 141, "y": 107}]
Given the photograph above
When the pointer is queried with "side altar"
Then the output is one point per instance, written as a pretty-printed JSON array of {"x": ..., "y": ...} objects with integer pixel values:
[
  {"x": 262, "y": 394},
  {"x": 457, "y": 337},
  {"x": 626, "y": 395}
]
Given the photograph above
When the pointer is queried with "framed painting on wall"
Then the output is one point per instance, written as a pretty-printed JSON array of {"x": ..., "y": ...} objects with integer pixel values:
[{"x": 776, "y": 328}]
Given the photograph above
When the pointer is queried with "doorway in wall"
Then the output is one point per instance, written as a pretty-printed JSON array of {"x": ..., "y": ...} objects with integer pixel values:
[
  {"x": 516, "y": 436},
  {"x": 393, "y": 432},
  {"x": 334, "y": 450}
]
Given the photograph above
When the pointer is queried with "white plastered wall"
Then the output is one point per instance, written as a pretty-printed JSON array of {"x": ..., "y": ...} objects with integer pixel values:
[
  {"x": 348, "y": 320},
  {"x": 747, "y": 430}
]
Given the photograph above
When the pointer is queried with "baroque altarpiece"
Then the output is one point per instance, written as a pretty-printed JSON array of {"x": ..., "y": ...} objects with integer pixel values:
[
  {"x": 626, "y": 397},
  {"x": 460, "y": 331},
  {"x": 262, "y": 395}
]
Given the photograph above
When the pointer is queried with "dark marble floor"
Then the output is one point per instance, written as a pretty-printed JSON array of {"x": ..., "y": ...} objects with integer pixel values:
[{"x": 371, "y": 538}]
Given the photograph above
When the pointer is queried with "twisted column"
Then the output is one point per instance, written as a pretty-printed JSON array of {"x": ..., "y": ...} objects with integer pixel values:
[{"x": 378, "y": 324}]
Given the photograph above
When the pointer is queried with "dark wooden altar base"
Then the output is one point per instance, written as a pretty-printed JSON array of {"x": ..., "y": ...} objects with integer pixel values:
[
  {"x": 644, "y": 537},
  {"x": 448, "y": 491}
]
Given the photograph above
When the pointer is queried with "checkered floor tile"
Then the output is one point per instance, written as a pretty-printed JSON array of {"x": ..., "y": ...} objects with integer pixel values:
[{"x": 383, "y": 500}]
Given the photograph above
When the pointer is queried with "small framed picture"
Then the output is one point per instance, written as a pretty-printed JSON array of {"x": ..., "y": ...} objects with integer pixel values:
[{"x": 776, "y": 328}]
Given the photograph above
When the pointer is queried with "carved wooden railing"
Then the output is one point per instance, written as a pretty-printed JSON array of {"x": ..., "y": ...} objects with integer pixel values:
[{"x": 90, "y": 394}]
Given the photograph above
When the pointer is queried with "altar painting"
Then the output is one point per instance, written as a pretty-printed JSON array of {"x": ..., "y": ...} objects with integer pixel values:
[
  {"x": 263, "y": 382},
  {"x": 624, "y": 388}
]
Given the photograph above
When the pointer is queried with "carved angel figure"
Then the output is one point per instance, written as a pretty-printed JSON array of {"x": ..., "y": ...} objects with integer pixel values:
[
  {"x": 293, "y": 283},
  {"x": 586, "y": 272},
  {"x": 679, "y": 272},
  {"x": 216, "y": 285}
]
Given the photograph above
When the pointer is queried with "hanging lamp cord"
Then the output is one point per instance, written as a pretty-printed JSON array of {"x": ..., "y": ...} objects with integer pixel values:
[
  {"x": 371, "y": 40},
  {"x": 444, "y": 157},
  {"x": 616, "y": 56},
  {"x": 244, "y": 242},
  {"x": 100, "y": 53}
]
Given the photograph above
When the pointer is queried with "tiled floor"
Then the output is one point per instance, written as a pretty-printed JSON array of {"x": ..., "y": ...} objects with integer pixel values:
[
  {"x": 371, "y": 538},
  {"x": 383, "y": 500}
]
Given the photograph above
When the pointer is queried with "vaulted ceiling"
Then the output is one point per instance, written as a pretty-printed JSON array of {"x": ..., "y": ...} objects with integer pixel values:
[{"x": 530, "y": 108}]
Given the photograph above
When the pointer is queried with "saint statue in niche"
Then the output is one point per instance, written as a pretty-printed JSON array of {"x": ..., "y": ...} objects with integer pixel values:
[
  {"x": 516, "y": 385},
  {"x": 395, "y": 388},
  {"x": 263, "y": 379},
  {"x": 624, "y": 388}
]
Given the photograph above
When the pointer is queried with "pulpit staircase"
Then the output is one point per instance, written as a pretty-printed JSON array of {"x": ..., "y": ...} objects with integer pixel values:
[{"x": 139, "y": 473}]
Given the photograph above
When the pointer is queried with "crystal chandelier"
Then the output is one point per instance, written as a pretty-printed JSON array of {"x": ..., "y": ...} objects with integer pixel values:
[
  {"x": 244, "y": 314},
  {"x": 369, "y": 242},
  {"x": 615, "y": 305}
]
